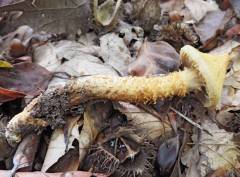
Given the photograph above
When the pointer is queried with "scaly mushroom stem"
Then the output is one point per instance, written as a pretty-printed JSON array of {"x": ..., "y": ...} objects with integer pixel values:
[
  {"x": 203, "y": 70},
  {"x": 128, "y": 89},
  {"x": 134, "y": 89}
]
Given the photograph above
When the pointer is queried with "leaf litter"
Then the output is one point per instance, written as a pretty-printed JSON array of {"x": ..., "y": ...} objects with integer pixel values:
[{"x": 51, "y": 125}]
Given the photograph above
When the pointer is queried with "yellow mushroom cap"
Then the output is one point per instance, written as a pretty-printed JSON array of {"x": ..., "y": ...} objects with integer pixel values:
[{"x": 211, "y": 70}]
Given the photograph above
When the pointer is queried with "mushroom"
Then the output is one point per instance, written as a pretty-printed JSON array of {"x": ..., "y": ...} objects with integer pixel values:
[{"x": 201, "y": 71}]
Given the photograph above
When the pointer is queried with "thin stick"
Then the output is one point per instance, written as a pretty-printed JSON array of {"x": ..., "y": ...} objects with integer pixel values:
[{"x": 190, "y": 121}]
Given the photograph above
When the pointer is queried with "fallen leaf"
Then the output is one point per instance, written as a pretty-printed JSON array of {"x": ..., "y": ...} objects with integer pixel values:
[
  {"x": 167, "y": 155},
  {"x": 22, "y": 34},
  {"x": 217, "y": 151},
  {"x": 68, "y": 162},
  {"x": 5, "y": 64},
  {"x": 191, "y": 159},
  {"x": 150, "y": 126},
  {"x": 93, "y": 115},
  {"x": 59, "y": 16},
  {"x": 200, "y": 8},
  {"x": 208, "y": 27},
  {"x": 71, "y": 58},
  {"x": 25, "y": 154},
  {"x": 114, "y": 52},
  {"x": 155, "y": 58},
  {"x": 60, "y": 147},
  {"x": 24, "y": 79}
]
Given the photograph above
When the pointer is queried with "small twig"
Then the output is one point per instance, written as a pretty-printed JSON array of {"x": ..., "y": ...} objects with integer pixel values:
[{"x": 190, "y": 121}]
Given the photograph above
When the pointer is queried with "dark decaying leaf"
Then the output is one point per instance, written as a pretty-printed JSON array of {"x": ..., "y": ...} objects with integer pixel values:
[
  {"x": 155, "y": 58},
  {"x": 59, "y": 16},
  {"x": 167, "y": 155},
  {"x": 25, "y": 154},
  {"x": 24, "y": 79}
]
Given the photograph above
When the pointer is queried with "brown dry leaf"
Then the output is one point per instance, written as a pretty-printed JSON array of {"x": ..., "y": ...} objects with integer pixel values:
[
  {"x": 58, "y": 16},
  {"x": 24, "y": 79},
  {"x": 25, "y": 154},
  {"x": 199, "y": 8},
  {"x": 155, "y": 58},
  {"x": 218, "y": 151},
  {"x": 56, "y": 149},
  {"x": 8, "y": 95},
  {"x": 150, "y": 126},
  {"x": 167, "y": 155},
  {"x": 41, "y": 174}
]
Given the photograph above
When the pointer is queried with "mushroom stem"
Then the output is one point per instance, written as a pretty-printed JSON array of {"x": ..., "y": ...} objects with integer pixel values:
[
  {"x": 203, "y": 70},
  {"x": 134, "y": 89},
  {"x": 128, "y": 89}
]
